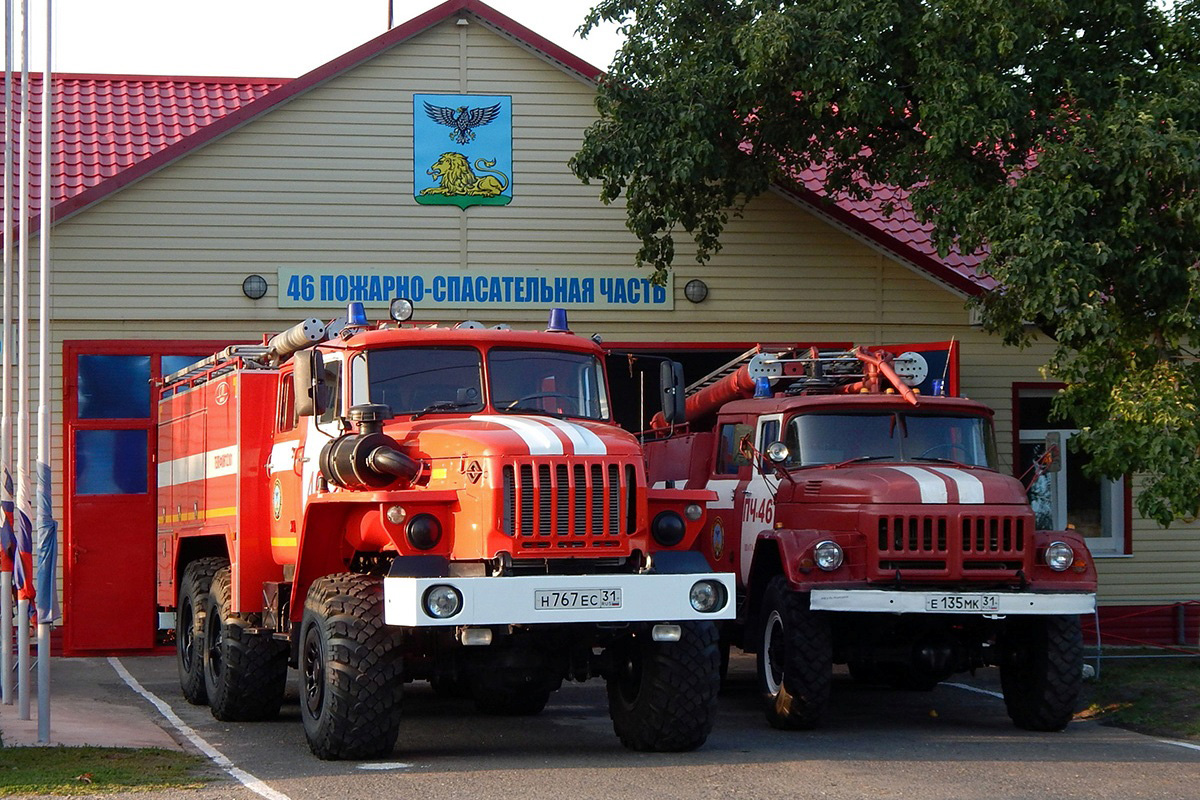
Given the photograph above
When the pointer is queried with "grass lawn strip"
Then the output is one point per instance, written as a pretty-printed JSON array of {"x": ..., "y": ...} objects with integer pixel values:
[{"x": 52, "y": 771}]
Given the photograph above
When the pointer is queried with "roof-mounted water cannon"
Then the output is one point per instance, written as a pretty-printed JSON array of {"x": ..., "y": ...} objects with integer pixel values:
[{"x": 299, "y": 337}]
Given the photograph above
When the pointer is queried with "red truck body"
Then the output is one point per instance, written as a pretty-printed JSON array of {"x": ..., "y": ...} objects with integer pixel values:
[
  {"x": 872, "y": 520},
  {"x": 447, "y": 504}
]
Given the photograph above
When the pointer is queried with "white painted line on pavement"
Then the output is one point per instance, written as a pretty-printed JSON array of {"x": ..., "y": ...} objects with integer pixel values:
[
  {"x": 216, "y": 756},
  {"x": 988, "y": 692},
  {"x": 384, "y": 765},
  {"x": 1188, "y": 745}
]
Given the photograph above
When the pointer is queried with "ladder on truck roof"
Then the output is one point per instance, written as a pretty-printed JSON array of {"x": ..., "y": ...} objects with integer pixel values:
[
  {"x": 833, "y": 365},
  {"x": 206, "y": 367}
]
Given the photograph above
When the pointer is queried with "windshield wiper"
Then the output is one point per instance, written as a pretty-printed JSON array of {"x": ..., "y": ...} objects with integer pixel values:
[
  {"x": 441, "y": 405},
  {"x": 938, "y": 460},
  {"x": 532, "y": 410},
  {"x": 860, "y": 459}
]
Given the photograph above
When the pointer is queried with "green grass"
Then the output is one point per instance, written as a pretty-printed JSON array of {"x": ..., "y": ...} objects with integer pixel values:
[
  {"x": 29, "y": 771},
  {"x": 1155, "y": 696}
]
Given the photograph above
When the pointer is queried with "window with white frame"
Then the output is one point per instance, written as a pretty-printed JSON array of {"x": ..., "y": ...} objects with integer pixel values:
[{"x": 1066, "y": 497}]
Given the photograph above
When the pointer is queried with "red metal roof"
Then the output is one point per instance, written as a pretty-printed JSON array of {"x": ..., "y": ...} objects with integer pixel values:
[
  {"x": 117, "y": 129},
  {"x": 105, "y": 124}
]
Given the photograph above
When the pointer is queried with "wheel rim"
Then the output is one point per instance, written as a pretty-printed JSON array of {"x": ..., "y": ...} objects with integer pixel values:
[
  {"x": 772, "y": 649},
  {"x": 314, "y": 672},
  {"x": 629, "y": 675},
  {"x": 187, "y": 635},
  {"x": 212, "y": 643}
]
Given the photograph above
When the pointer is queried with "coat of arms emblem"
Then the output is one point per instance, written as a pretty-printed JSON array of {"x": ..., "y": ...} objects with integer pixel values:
[{"x": 462, "y": 150}]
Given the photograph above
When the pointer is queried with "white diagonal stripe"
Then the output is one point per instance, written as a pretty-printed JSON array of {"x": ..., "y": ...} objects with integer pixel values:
[
  {"x": 540, "y": 440},
  {"x": 584, "y": 441},
  {"x": 970, "y": 488},
  {"x": 933, "y": 488}
]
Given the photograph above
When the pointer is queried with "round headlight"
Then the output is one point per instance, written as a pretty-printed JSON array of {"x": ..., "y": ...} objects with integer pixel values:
[
  {"x": 693, "y": 511},
  {"x": 828, "y": 555},
  {"x": 707, "y": 596},
  {"x": 396, "y": 515},
  {"x": 1058, "y": 556},
  {"x": 778, "y": 452},
  {"x": 400, "y": 309},
  {"x": 668, "y": 528},
  {"x": 442, "y": 602},
  {"x": 424, "y": 531}
]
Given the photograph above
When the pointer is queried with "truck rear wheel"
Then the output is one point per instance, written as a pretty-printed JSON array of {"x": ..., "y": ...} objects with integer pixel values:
[
  {"x": 245, "y": 671},
  {"x": 795, "y": 659},
  {"x": 662, "y": 696},
  {"x": 189, "y": 649},
  {"x": 351, "y": 676},
  {"x": 1041, "y": 671}
]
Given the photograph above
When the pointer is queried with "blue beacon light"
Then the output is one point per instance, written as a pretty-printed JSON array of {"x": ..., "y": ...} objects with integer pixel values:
[
  {"x": 356, "y": 315},
  {"x": 558, "y": 321}
]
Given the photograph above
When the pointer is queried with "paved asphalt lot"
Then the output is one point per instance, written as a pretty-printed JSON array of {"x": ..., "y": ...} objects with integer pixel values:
[{"x": 949, "y": 743}]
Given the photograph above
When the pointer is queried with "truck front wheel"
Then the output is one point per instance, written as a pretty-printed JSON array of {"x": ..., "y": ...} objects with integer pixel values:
[
  {"x": 795, "y": 659},
  {"x": 1041, "y": 671},
  {"x": 245, "y": 671},
  {"x": 351, "y": 675},
  {"x": 662, "y": 696}
]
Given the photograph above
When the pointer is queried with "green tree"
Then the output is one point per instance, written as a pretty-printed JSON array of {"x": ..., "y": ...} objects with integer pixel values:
[{"x": 1060, "y": 135}]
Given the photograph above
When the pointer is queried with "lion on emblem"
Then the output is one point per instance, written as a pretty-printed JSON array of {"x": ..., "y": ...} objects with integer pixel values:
[{"x": 455, "y": 177}]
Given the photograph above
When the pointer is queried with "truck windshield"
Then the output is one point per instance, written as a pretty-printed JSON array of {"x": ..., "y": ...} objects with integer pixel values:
[
  {"x": 411, "y": 380},
  {"x": 814, "y": 439},
  {"x": 557, "y": 383}
]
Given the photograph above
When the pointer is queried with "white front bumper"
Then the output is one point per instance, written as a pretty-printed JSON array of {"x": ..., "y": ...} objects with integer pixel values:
[
  {"x": 511, "y": 600},
  {"x": 997, "y": 603}
]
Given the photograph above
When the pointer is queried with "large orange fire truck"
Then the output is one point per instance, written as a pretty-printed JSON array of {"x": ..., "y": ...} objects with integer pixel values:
[
  {"x": 868, "y": 525},
  {"x": 378, "y": 504}
]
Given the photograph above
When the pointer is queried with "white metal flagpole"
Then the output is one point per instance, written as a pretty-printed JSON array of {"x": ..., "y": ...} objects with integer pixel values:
[
  {"x": 21, "y": 519},
  {"x": 8, "y": 543},
  {"x": 47, "y": 531}
]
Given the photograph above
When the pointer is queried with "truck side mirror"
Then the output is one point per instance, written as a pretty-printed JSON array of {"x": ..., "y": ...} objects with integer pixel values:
[
  {"x": 312, "y": 398},
  {"x": 1052, "y": 455},
  {"x": 671, "y": 388}
]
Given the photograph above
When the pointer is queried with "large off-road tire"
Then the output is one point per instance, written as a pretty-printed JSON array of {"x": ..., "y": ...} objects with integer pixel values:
[
  {"x": 1041, "y": 670},
  {"x": 795, "y": 658},
  {"x": 189, "y": 631},
  {"x": 351, "y": 671},
  {"x": 662, "y": 696},
  {"x": 245, "y": 670}
]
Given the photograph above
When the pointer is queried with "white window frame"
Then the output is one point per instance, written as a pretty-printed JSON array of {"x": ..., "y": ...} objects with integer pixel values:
[{"x": 1112, "y": 495}]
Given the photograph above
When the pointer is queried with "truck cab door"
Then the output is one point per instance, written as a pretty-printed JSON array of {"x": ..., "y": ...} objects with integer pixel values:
[
  {"x": 757, "y": 501},
  {"x": 731, "y": 472},
  {"x": 285, "y": 469}
]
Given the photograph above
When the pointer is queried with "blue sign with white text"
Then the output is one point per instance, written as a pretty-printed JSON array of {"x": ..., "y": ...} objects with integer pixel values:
[{"x": 462, "y": 149}]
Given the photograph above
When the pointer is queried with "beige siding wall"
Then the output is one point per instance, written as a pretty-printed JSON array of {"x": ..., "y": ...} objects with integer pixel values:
[{"x": 327, "y": 179}]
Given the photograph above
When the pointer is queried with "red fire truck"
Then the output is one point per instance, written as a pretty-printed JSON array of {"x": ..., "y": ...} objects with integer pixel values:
[
  {"x": 868, "y": 525},
  {"x": 377, "y": 504}
]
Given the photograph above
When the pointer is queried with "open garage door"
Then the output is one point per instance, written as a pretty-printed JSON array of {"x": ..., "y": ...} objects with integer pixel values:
[{"x": 109, "y": 420}]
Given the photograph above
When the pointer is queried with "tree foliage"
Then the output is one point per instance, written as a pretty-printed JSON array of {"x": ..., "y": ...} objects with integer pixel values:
[{"x": 1061, "y": 135}]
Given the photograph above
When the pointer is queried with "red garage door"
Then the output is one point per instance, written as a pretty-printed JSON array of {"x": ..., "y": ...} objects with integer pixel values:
[{"x": 109, "y": 488}]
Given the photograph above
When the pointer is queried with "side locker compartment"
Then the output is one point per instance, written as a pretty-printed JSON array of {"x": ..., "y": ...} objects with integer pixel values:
[{"x": 252, "y": 426}]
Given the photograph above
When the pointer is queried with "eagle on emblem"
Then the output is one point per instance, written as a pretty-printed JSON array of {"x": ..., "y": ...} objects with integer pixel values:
[{"x": 462, "y": 119}]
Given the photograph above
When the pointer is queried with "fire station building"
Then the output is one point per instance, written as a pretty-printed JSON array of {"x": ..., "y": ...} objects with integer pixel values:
[{"x": 195, "y": 212}]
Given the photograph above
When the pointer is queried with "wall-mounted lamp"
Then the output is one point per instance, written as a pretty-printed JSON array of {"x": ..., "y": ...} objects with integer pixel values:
[
  {"x": 695, "y": 290},
  {"x": 254, "y": 287}
]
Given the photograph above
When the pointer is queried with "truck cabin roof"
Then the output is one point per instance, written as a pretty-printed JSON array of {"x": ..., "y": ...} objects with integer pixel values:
[
  {"x": 855, "y": 402},
  {"x": 465, "y": 337}
]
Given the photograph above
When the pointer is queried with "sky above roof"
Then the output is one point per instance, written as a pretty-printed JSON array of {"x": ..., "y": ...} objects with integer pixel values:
[{"x": 257, "y": 38}]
